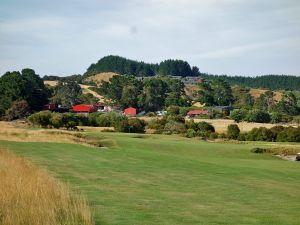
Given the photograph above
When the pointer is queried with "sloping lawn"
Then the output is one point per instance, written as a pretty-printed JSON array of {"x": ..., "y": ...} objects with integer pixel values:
[{"x": 160, "y": 180}]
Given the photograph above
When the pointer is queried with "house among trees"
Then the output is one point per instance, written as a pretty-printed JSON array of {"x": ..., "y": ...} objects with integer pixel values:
[
  {"x": 130, "y": 111},
  {"x": 194, "y": 113},
  {"x": 84, "y": 108}
]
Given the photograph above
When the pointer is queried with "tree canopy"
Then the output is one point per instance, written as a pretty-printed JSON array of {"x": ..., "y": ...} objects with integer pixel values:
[{"x": 25, "y": 85}]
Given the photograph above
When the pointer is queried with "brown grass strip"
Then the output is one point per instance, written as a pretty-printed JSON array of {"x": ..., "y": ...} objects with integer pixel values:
[{"x": 29, "y": 196}]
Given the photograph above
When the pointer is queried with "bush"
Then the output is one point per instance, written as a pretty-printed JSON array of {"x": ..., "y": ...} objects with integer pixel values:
[
  {"x": 276, "y": 117},
  {"x": 173, "y": 110},
  {"x": 41, "y": 118},
  {"x": 173, "y": 127},
  {"x": 112, "y": 119},
  {"x": 233, "y": 131},
  {"x": 56, "y": 120},
  {"x": 260, "y": 134},
  {"x": 18, "y": 110},
  {"x": 135, "y": 125},
  {"x": 258, "y": 116},
  {"x": 238, "y": 115},
  {"x": 204, "y": 129},
  {"x": 289, "y": 134},
  {"x": 151, "y": 114},
  {"x": 190, "y": 133},
  {"x": 259, "y": 150},
  {"x": 183, "y": 111}
]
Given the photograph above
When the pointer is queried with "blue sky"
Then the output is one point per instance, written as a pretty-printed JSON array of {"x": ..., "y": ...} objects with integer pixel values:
[{"x": 236, "y": 37}]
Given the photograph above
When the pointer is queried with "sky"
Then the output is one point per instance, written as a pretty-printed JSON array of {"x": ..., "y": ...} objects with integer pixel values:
[{"x": 235, "y": 37}]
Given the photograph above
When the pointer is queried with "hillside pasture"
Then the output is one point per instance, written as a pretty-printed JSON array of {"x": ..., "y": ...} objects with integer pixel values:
[{"x": 99, "y": 77}]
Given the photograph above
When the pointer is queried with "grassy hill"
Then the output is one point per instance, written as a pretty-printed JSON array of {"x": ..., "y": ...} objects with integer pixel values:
[
  {"x": 98, "y": 78},
  {"x": 143, "y": 179}
]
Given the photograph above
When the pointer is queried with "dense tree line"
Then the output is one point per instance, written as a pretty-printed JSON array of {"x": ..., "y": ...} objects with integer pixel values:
[
  {"x": 272, "y": 82},
  {"x": 123, "y": 66},
  {"x": 23, "y": 91}
]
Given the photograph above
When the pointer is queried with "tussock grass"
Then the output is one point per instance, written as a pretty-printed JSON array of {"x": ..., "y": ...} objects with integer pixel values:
[
  {"x": 11, "y": 132},
  {"x": 29, "y": 196}
]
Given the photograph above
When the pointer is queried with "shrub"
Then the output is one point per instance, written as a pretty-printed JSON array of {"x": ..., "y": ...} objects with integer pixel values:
[
  {"x": 70, "y": 120},
  {"x": 260, "y": 134},
  {"x": 18, "y": 110},
  {"x": 112, "y": 119},
  {"x": 204, "y": 129},
  {"x": 238, "y": 115},
  {"x": 151, "y": 114},
  {"x": 213, "y": 136},
  {"x": 190, "y": 133},
  {"x": 156, "y": 124},
  {"x": 289, "y": 134},
  {"x": 41, "y": 118},
  {"x": 135, "y": 125},
  {"x": 173, "y": 110},
  {"x": 259, "y": 150},
  {"x": 183, "y": 111},
  {"x": 276, "y": 117},
  {"x": 56, "y": 120},
  {"x": 176, "y": 118},
  {"x": 233, "y": 131},
  {"x": 173, "y": 127},
  {"x": 258, "y": 116}
]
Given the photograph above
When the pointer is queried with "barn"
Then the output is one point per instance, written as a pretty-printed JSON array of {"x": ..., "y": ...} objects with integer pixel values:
[
  {"x": 130, "y": 111},
  {"x": 84, "y": 108},
  {"x": 197, "y": 113}
]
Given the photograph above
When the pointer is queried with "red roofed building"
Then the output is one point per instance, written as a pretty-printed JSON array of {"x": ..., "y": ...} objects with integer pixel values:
[
  {"x": 197, "y": 113},
  {"x": 130, "y": 111},
  {"x": 84, "y": 108}
]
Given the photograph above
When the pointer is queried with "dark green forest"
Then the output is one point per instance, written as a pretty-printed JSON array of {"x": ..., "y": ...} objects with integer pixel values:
[
  {"x": 182, "y": 68},
  {"x": 272, "y": 82},
  {"x": 122, "y": 66}
]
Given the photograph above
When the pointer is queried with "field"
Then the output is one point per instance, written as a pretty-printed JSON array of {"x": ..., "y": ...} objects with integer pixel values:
[{"x": 155, "y": 179}]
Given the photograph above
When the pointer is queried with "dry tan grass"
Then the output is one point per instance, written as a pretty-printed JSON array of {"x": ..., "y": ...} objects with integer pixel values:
[
  {"x": 96, "y": 129},
  {"x": 99, "y": 77},
  {"x": 222, "y": 124},
  {"x": 14, "y": 132},
  {"x": 85, "y": 90},
  {"x": 255, "y": 93},
  {"x": 51, "y": 83},
  {"x": 29, "y": 196}
]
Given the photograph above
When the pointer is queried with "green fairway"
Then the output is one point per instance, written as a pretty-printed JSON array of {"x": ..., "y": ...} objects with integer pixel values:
[{"x": 169, "y": 180}]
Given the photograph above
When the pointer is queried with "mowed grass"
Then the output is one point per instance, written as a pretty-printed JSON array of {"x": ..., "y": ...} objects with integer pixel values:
[{"x": 144, "y": 179}]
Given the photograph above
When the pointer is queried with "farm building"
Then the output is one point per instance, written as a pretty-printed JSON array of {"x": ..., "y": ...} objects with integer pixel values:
[
  {"x": 194, "y": 113},
  {"x": 56, "y": 108},
  {"x": 84, "y": 108},
  {"x": 130, "y": 111}
]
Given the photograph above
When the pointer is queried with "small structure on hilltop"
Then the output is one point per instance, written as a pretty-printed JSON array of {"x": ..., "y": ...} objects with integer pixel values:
[
  {"x": 194, "y": 113},
  {"x": 84, "y": 108},
  {"x": 130, "y": 111}
]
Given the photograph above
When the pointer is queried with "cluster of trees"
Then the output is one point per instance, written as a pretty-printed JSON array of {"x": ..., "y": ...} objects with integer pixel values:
[
  {"x": 70, "y": 93},
  {"x": 122, "y": 66},
  {"x": 273, "y": 82},
  {"x": 150, "y": 94},
  {"x": 274, "y": 134},
  {"x": 174, "y": 123},
  {"x": 120, "y": 122},
  {"x": 264, "y": 109},
  {"x": 217, "y": 92},
  {"x": 21, "y": 93}
]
